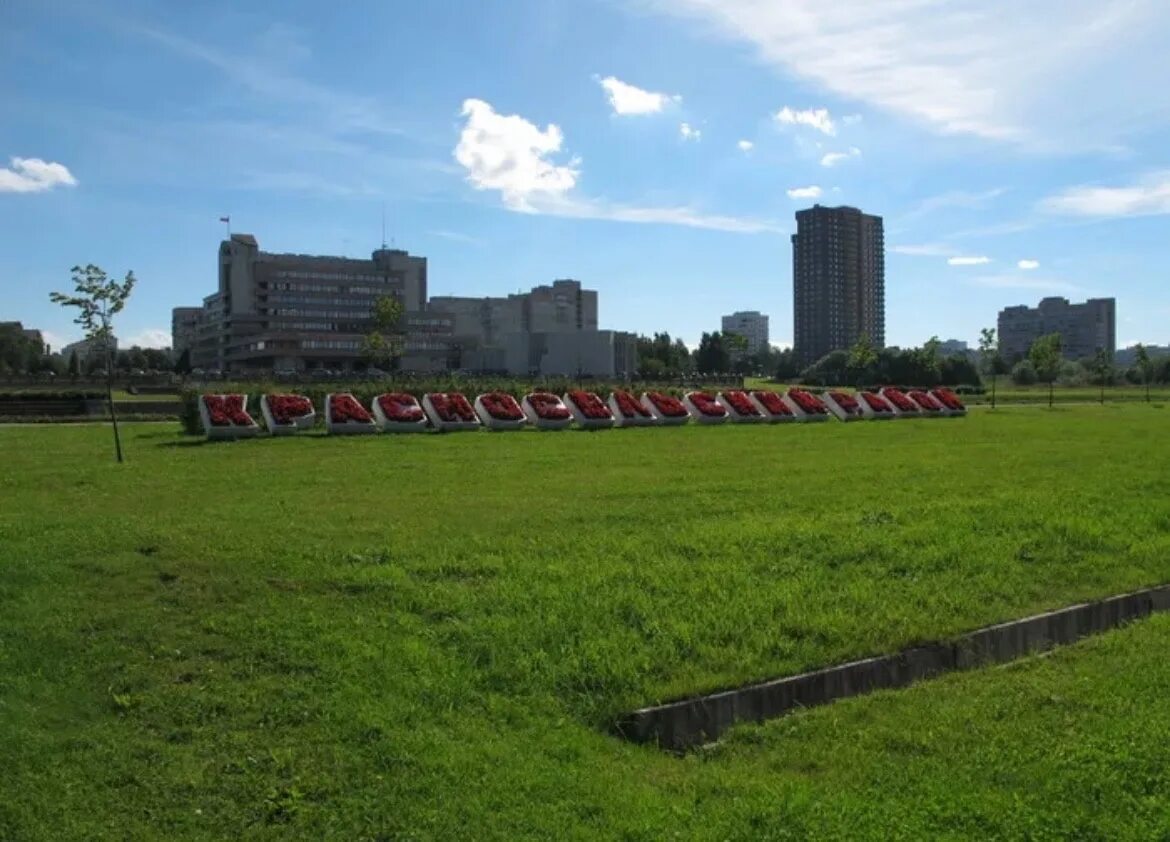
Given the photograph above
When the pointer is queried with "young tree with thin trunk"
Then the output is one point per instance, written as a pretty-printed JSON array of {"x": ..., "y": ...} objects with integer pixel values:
[
  {"x": 1145, "y": 366},
  {"x": 1046, "y": 356},
  {"x": 1103, "y": 368},
  {"x": 383, "y": 345},
  {"x": 989, "y": 356},
  {"x": 99, "y": 298}
]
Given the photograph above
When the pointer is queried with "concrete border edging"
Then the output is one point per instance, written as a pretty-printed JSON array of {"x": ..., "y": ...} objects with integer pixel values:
[{"x": 677, "y": 726}]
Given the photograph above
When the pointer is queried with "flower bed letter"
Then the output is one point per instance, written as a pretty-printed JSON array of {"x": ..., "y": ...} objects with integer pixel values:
[
  {"x": 929, "y": 406},
  {"x": 843, "y": 405},
  {"x": 773, "y": 406},
  {"x": 545, "y": 411},
  {"x": 588, "y": 410},
  {"x": 666, "y": 410},
  {"x": 345, "y": 416},
  {"x": 875, "y": 407},
  {"x": 740, "y": 407},
  {"x": 399, "y": 412},
  {"x": 806, "y": 406},
  {"x": 628, "y": 412},
  {"x": 285, "y": 414},
  {"x": 902, "y": 405},
  {"x": 704, "y": 408},
  {"x": 499, "y": 411},
  {"x": 950, "y": 401},
  {"x": 449, "y": 411},
  {"x": 226, "y": 417}
]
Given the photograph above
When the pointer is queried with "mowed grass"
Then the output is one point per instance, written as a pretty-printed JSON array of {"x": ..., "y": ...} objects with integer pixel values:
[{"x": 429, "y": 636}]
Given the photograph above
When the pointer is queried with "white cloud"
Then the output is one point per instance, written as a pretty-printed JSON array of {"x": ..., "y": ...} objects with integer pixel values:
[
  {"x": 1029, "y": 264},
  {"x": 1027, "y": 282},
  {"x": 1150, "y": 196},
  {"x": 962, "y": 65},
  {"x": 686, "y": 132},
  {"x": 508, "y": 154},
  {"x": 456, "y": 236},
  {"x": 817, "y": 118},
  {"x": 151, "y": 337},
  {"x": 628, "y": 99},
  {"x": 968, "y": 261},
  {"x": 833, "y": 158},
  {"x": 851, "y": 119},
  {"x": 32, "y": 175},
  {"x": 924, "y": 250},
  {"x": 745, "y": 145},
  {"x": 811, "y": 192}
]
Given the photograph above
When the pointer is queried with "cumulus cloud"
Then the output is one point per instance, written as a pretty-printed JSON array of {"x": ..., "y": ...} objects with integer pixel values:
[
  {"x": 923, "y": 249},
  {"x": 1027, "y": 282},
  {"x": 626, "y": 99},
  {"x": 833, "y": 158},
  {"x": 968, "y": 261},
  {"x": 811, "y": 192},
  {"x": 687, "y": 132},
  {"x": 1029, "y": 264},
  {"x": 817, "y": 118},
  {"x": 1149, "y": 196},
  {"x": 745, "y": 145},
  {"x": 151, "y": 337},
  {"x": 32, "y": 175}
]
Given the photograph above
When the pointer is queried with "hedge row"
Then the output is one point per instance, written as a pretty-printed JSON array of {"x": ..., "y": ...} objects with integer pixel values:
[{"x": 54, "y": 395}]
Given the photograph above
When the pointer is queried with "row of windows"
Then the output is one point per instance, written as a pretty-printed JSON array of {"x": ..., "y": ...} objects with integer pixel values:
[
  {"x": 330, "y": 344},
  {"x": 327, "y": 314},
  {"x": 327, "y": 276},
  {"x": 280, "y": 298}
]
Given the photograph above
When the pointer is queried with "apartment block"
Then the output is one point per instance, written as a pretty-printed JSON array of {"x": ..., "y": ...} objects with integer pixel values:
[
  {"x": 1083, "y": 328},
  {"x": 752, "y": 326}
]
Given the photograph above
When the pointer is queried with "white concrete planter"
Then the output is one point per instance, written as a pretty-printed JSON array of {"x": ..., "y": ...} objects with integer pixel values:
[
  {"x": 439, "y": 423},
  {"x": 801, "y": 415},
  {"x": 233, "y": 431},
  {"x": 952, "y": 412},
  {"x": 389, "y": 425},
  {"x": 346, "y": 428},
  {"x": 773, "y": 418},
  {"x": 755, "y": 417},
  {"x": 623, "y": 420},
  {"x": 924, "y": 404},
  {"x": 300, "y": 422},
  {"x": 900, "y": 412},
  {"x": 842, "y": 409},
  {"x": 700, "y": 416},
  {"x": 493, "y": 423},
  {"x": 660, "y": 417},
  {"x": 583, "y": 420},
  {"x": 872, "y": 414},
  {"x": 534, "y": 418}
]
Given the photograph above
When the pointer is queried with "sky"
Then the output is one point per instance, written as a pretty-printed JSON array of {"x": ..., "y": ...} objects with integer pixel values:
[{"x": 656, "y": 150}]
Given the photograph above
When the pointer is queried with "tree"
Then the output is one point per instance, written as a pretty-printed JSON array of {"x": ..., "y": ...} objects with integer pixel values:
[
  {"x": 712, "y": 355},
  {"x": 737, "y": 345},
  {"x": 862, "y": 359},
  {"x": 1144, "y": 365},
  {"x": 1024, "y": 373},
  {"x": 74, "y": 365},
  {"x": 1045, "y": 356},
  {"x": 989, "y": 356},
  {"x": 183, "y": 364},
  {"x": 99, "y": 299},
  {"x": 383, "y": 345},
  {"x": 1103, "y": 368}
]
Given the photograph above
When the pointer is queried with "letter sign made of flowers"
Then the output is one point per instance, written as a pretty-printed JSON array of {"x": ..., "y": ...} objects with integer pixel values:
[
  {"x": 806, "y": 406},
  {"x": 628, "y": 411},
  {"x": 705, "y": 408},
  {"x": 588, "y": 410},
  {"x": 875, "y": 407},
  {"x": 226, "y": 417},
  {"x": 450, "y": 411},
  {"x": 500, "y": 411},
  {"x": 902, "y": 405},
  {"x": 843, "y": 405},
  {"x": 929, "y": 406},
  {"x": 666, "y": 409},
  {"x": 285, "y": 414},
  {"x": 773, "y": 406},
  {"x": 546, "y": 411},
  {"x": 398, "y": 412},
  {"x": 344, "y": 415},
  {"x": 740, "y": 407},
  {"x": 950, "y": 401}
]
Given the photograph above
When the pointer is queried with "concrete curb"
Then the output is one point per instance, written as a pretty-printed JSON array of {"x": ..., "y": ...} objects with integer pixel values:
[{"x": 677, "y": 726}]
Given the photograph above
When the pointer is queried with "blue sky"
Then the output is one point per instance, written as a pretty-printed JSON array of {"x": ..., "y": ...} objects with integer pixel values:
[{"x": 654, "y": 149}]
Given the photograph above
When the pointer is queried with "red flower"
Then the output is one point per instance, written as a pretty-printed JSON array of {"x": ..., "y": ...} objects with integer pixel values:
[
  {"x": 399, "y": 406},
  {"x": 898, "y": 398},
  {"x": 875, "y": 402},
  {"x": 741, "y": 403},
  {"x": 227, "y": 411},
  {"x": 344, "y": 408},
  {"x": 772, "y": 402},
  {"x": 948, "y": 399},
  {"x": 590, "y": 405},
  {"x": 502, "y": 406},
  {"x": 846, "y": 401},
  {"x": 925, "y": 401},
  {"x": 286, "y": 409},
  {"x": 707, "y": 405},
  {"x": 548, "y": 406},
  {"x": 629, "y": 407},
  {"x": 668, "y": 406},
  {"x": 808, "y": 402},
  {"x": 452, "y": 406}
]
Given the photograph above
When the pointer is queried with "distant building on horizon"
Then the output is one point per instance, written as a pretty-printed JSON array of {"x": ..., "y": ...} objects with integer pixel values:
[
  {"x": 85, "y": 348},
  {"x": 838, "y": 281},
  {"x": 1127, "y": 356},
  {"x": 184, "y": 328},
  {"x": 1083, "y": 328},
  {"x": 953, "y": 347},
  {"x": 30, "y": 333},
  {"x": 752, "y": 325}
]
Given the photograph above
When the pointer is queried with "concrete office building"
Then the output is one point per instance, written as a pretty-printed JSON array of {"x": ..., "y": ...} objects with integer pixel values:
[
  {"x": 85, "y": 348},
  {"x": 184, "y": 328},
  {"x": 29, "y": 333},
  {"x": 839, "y": 281},
  {"x": 1083, "y": 328},
  {"x": 585, "y": 353},
  {"x": 752, "y": 326}
]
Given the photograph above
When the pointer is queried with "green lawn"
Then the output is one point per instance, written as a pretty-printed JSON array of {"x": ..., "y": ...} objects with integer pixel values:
[
  {"x": 428, "y": 636},
  {"x": 1009, "y": 393}
]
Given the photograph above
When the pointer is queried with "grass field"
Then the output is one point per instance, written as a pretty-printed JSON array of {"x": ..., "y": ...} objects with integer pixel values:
[
  {"x": 428, "y": 636},
  {"x": 1009, "y": 393}
]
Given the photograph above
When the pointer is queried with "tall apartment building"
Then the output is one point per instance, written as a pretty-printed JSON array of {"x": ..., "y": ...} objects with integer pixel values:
[
  {"x": 752, "y": 326},
  {"x": 184, "y": 328},
  {"x": 297, "y": 311},
  {"x": 1083, "y": 328},
  {"x": 838, "y": 279}
]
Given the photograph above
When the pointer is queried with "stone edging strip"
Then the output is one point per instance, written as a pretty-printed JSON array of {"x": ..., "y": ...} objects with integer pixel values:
[{"x": 677, "y": 726}]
